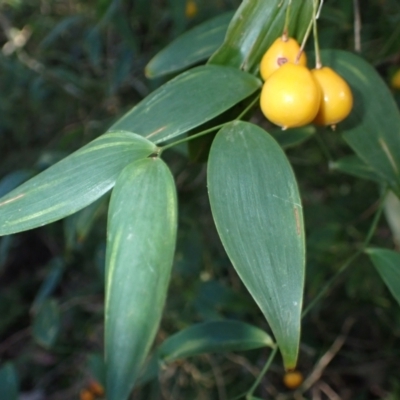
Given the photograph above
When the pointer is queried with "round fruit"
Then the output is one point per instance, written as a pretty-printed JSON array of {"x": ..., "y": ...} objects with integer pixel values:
[
  {"x": 290, "y": 97},
  {"x": 283, "y": 50},
  {"x": 293, "y": 380},
  {"x": 395, "y": 81},
  {"x": 336, "y": 100}
]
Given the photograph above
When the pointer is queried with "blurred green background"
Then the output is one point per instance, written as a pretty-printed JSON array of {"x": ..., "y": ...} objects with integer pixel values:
[{"x": 68, "y": 69}]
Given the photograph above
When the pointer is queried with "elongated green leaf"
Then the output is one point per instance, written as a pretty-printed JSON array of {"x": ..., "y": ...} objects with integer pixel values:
[
  {"x": 255, "y": 26},
  {"x": 8, "y": 382},
  {"x": 387, "y": 263},
  {"x": 140, "y": 249},
  {"x": 72, "y": 183},
  {"x": 215, "y": 336},
  {"x": 353, "y": 165},
  {"x": 46, "y": 324},
  {"x": 258, "y": 214},
  {"x": 371, "y": 129},
  {"x": 187, "y": 101},
  {"x": 190, "y": 48}
]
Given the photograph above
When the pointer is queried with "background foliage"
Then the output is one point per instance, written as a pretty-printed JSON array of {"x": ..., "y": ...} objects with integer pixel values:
[{"x": 68, "y": 70}]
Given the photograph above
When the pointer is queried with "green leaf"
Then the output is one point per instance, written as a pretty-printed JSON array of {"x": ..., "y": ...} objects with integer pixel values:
[
  {"x": 8, "y": 382},
  {"x": 387, "y": 263},
  {"x": 353, "y": 165},
  {"x": 211, "y": 337},
  {"x": 293, "y": 137},
  {"x": 369, "y": 130},
  {"x": 140, "y": 249},
  {"x": 190, "y": 48},
  {"x": 257, "y": 210},
  {"x": 187, "y": 101},
  {"x": 255, "y": 26},
  {"x": 46, "y": 324},
  {"x": 71, "y": 184}
]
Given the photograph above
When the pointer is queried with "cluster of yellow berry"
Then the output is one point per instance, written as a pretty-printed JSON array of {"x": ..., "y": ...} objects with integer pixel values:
[{"x": 293, "y": 96}]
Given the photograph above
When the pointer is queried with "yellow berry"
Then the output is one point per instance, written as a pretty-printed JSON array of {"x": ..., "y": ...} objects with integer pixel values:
[
  {"x": 395, "y": 81},
  {"x": 290, "y": 97},
  {"x": 283, "y": 50},
  {"x": 293, "y": 380},
  {"x": 191, "y": 9},
  {"x": 336, "y": 100}
]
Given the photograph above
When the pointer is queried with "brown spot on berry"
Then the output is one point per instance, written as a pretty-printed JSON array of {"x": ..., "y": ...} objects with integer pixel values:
[{"x": 282, "y": 60}]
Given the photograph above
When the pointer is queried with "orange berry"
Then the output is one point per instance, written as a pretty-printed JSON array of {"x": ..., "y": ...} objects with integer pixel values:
[
  {"x": 86, "y": 395},
  {"x": 336, "y": 100},
  {"x": 283, "y": 50},
  {"x": 96, "y": 388},
  {"x": 293, "y": 379},
  {"x": 290, "y": 97}
]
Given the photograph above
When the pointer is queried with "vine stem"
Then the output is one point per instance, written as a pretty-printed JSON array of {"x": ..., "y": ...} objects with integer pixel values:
[
  {"x": 214, "y": 128},
  {"x": 349, "y": 261}
]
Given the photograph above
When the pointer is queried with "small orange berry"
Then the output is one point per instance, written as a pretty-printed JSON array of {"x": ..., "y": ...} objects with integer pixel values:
[
  {"x": 191, "y": 9},
  {"x": 86, "y": 395},
  {"x": 293, "y": 379},
  {"x": 290, "y": 97},
  {"x": 283, "y": 50},
  {"x": 96, "y": 388},
  {"x": 337, "y": 99}
]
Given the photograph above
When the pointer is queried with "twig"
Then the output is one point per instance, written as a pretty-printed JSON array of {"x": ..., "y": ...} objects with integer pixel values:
[
  {"x": 327, "y": 358},
  {"x": 331, "y": 394},
  {"x": 357, "y": 26}
]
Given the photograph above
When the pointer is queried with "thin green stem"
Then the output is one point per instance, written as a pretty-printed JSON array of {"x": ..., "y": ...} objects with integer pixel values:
[
  {"x": 349, "y": 261},
  {"x": 304, "y": 41},
  {"x": 262, "y": 373},
  {"x": 248, "y": 108},
  {"x": 318, "y": 63},
  {"x": 214, "y": 128},
  {"x": 192, "y": 137},
  {"x": 285, "y": 33}
]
